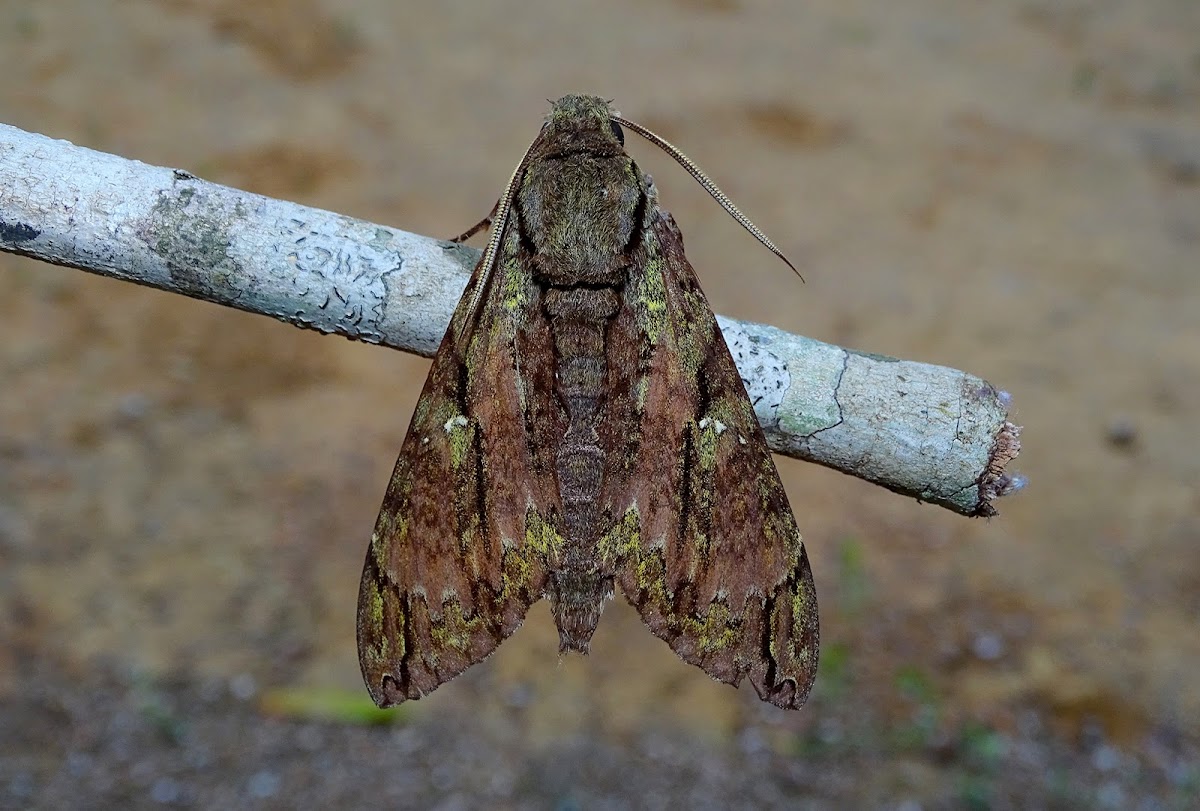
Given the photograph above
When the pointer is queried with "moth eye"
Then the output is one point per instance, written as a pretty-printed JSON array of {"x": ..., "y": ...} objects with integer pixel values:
[{"x": 617, "y": 132}]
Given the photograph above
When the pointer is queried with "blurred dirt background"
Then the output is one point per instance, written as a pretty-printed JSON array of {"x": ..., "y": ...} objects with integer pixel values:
[{"x": 1011, "y": 188}]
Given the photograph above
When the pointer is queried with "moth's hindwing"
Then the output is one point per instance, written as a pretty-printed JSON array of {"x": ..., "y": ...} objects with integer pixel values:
[
  {"x": 460, "y": 547},
  {"x": 707, "y": 548}
]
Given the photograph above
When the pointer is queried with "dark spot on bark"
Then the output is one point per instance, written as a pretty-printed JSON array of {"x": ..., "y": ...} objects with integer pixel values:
[{"x": 14, "y": 232}]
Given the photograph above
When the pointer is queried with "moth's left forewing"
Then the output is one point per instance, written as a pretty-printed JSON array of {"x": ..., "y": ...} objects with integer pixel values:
[
  {"x": 707, "y": 548},
  {"x": 461, "y": 545}
]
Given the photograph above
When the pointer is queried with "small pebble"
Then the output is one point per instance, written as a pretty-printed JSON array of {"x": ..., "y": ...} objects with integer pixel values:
[
  {"x": 988, "y": 647},
  {"x": 78, "y": 763},
  {"x": 264, "y": 784},
  {"x": 165, "y": 790},
  {"x": 21, "y": 785},
  {"x": 752, "y": 741},
  {"x": 1105, "y": 758},
  {"x": 243, "y": 686},
  {"x": 1111, "y": 795},
  {"x": 133, "y": 407},
  {"x": 1122, "y": 433}
]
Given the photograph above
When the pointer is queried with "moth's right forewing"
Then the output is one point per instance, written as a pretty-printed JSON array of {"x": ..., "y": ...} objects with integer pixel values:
[
  {"x": 707, "y": 550},
  {"x": 460, "y": 546}
]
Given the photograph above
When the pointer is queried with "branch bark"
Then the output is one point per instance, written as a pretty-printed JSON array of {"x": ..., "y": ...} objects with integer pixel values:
[{"x": 933, "y": 433}]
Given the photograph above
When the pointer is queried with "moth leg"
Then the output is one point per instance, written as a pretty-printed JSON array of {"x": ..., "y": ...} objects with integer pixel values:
[{"x": 486, "y": 222}]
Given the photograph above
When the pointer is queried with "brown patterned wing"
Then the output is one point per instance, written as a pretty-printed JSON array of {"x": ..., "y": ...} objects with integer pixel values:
[
  {"x": 460, "y": 547},
  {"x": 707, "y": 549}
]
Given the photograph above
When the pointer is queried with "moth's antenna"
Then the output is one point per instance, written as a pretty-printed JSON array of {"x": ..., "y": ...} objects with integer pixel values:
[
  {"x": 499, "y": 220},
  {"x": 710, "y": 187}
]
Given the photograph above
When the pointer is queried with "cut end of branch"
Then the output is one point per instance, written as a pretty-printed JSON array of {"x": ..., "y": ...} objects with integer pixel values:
[{"x": 996, "y": 481}]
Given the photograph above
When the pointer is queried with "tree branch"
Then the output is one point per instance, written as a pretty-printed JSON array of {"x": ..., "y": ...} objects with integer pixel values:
[{"x": 930, "y": 432}]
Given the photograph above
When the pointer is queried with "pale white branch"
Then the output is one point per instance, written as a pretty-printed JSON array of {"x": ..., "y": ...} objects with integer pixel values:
[{"x": 937, "y": 434}]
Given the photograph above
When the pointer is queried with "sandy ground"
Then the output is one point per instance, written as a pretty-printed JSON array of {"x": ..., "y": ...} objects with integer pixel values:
[{"x": 1011, "y": 188}]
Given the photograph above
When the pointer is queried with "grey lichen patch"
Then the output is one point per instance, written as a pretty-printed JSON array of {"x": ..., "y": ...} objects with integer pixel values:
[
  {"x": 190, "y": 233},
  {"x": 763, "y": 370},
  {"x": 811, "y": 403}
]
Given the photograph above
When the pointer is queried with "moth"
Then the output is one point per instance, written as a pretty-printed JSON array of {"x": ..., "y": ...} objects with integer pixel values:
[{"x": 583, "y": 426}]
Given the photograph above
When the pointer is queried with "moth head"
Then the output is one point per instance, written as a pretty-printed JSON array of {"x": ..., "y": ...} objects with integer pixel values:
[{"x": 583, "y": 122}]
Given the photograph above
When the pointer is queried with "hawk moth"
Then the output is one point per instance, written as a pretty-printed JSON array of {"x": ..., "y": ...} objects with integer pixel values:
[{"x": 583, "y": 426}]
